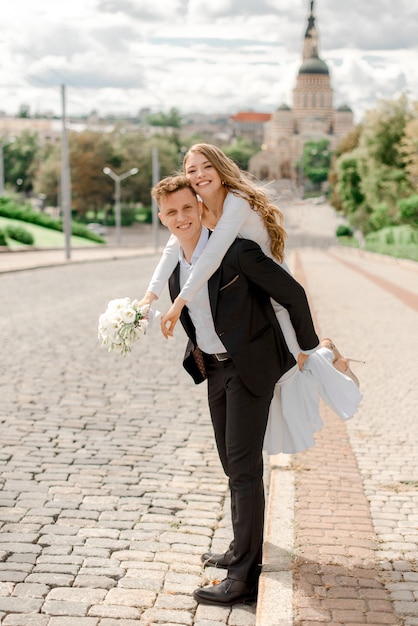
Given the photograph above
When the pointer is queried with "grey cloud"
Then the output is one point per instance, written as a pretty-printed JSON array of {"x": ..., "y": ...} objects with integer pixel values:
[
  {"x": 116, "y": 38},
  {"x": 60, "y": 41},
  {"x": 90, "y": 77},
  {"x": 372, "y": 25},
  {"x": 212, "y": 42},
  {"x": 141, "y": 9}
]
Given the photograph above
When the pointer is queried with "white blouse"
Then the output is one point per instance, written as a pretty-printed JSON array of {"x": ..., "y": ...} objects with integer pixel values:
[{"x": 238, "y": 220}]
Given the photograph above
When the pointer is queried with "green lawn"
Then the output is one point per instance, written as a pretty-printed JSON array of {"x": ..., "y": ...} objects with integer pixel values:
[
  {"x": 44, "y": 237},
  {"x": 397, "y": 241}
]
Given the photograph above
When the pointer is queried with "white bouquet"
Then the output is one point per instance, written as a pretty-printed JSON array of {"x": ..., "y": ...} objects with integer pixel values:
[{"x": 122, "y": 324}]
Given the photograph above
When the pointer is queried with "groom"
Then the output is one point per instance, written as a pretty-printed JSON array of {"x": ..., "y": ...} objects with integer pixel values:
[{"x": 236, "y": 343}]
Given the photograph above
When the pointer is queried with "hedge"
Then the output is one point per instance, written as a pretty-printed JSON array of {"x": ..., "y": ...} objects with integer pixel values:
[
  {"x": 19, "y": 233},
  {"x": 26, "y": 214}
]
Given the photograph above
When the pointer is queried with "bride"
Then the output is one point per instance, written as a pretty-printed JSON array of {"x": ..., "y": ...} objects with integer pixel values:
[{"x": 233, "y": 206}]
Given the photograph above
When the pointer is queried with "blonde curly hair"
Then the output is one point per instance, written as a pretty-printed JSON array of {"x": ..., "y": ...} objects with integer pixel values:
[{"x": 239, "y": 183}]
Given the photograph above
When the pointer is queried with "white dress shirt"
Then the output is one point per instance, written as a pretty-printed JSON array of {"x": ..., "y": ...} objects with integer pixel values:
[{"x": 199, "y": 308}]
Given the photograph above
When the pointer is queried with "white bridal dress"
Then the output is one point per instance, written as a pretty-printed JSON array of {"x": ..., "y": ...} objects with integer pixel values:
[{"x": 294, "y": 412}]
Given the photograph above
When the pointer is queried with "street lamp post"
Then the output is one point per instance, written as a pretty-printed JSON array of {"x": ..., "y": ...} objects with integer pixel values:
[
  {"x": 3, "y": 144},
  {"x": 117, "y": 178}
]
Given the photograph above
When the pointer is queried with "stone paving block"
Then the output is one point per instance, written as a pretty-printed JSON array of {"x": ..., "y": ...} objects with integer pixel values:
[
  {"x": 25, "y": 620},
  {"x": 114, "y": 611},
  {"x": 20, "y": 605},
  {"x": 31, "y": 590},
  {"x": 6, "y": 588},
  {"x": 71, "y": 594},
  {"x": 93, "y": 582},
  {"x": 16, "y": 566},
  {"x": 52, "y": 580},
  {"x": 65, "y": 608},
  {"x": 177, "y": 601},
  {"x": 242, "y": 615},
  {"x": 164, "y": 616},
  {"x": 139, "y": 598},
  {"x": 111, "y": 572},
  {"x": 109, "y": 621},
  {"x": 12, "y": 576},
  {"x": 73, "y": 621}
]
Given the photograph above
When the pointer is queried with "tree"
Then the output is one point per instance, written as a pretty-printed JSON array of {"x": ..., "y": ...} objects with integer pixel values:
[
  {"x": 384, "y": 129},
  {"x": 241, "y": 152},
  {"x": 348, "y": 187},
  {"x": 409, "y": 148},
  {"x": 316, "y": 160},
  {"x": 382, "y": 167},
  {"x": 90, "y": 152},
  {"x": 48, "y": 172},
  {"x": 136, "y": 151},
  {"x": 171, "y": 119},
  {"x": 20, "y": 161},
  {"x": 375, "y": 168}
]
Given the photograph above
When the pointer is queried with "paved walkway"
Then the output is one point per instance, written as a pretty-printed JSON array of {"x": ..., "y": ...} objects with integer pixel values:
[{"x": 111, "y": 486}]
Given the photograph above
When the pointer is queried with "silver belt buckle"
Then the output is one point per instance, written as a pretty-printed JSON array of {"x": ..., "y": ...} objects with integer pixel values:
[{"x": 221, "y": 356}]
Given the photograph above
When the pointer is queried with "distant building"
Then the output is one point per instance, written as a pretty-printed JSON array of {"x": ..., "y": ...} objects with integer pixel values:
[
  {"x": 249, "y": 125},
  {"x": 312, "y": 116}
]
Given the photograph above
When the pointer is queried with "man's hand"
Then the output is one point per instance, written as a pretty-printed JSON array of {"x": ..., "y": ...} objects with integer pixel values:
[
  {"x": 302, "y": 358},
  {"x": 170, "y": 319}
]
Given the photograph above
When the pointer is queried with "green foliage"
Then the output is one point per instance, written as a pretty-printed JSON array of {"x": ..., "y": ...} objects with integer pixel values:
[
  {"x": 19, "y": 233},
  {"x": 21, "y": 161},
  {"x": 316, "y": 159},
  {"x": 384, "y": 129},
  {"x": 25, "y": 214},
  {"x": 344, "y": 231},
  {"x": 171, "y": 119},
  {"x": 144, "y": 215},
  {"x": 408, "y": 209},
  {"x": 127, "y": 215},
  {"x": 397, "y": 241},
  {"x": 370, "y": 179},
  {"x": 90, "y": 152},
  {"x": 348, "y": 186},
  {"x": 3, "y": 238},
  {"x": 241, "y": 152},
  {"x": 380, "y": 217}
]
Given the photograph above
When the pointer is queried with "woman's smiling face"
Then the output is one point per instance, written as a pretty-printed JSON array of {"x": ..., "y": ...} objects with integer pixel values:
[{"x": 203, "y": 176}]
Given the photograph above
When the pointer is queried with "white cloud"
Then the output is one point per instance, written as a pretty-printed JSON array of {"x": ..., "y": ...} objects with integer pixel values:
[{"x": 118, "y": 56}]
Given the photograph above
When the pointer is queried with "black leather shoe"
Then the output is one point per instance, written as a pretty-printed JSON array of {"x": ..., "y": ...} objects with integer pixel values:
[
  {"x": 225, "y": 593},
  {"x": 217, "y": 560}
]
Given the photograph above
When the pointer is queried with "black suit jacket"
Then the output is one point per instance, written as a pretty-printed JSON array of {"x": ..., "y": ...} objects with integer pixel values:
[{"x": 239, "y": 293}]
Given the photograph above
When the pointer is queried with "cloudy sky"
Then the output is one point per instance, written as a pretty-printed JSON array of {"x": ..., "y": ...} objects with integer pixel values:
[{"x": 216, "y": 56}]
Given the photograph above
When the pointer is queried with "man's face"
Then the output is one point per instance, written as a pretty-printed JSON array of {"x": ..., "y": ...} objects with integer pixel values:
[{"x": 180, "y": 211}]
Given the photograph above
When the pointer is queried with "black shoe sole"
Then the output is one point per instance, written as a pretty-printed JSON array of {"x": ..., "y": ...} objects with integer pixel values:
[{"x": 251, "y": 599}]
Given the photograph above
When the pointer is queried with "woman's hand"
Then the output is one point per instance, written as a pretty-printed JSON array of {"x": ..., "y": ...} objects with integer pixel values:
[
  {"x": 302, "y": 358},
  {"x": 169, "y": 319},
  {"x": 147, "y": 299}
]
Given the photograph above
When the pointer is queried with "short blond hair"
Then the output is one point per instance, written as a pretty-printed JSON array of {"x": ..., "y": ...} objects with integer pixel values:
[{"x": 169, "y": 185}]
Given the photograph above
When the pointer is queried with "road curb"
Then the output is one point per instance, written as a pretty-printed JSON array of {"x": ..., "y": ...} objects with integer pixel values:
[{"x": 275, "y": 596}]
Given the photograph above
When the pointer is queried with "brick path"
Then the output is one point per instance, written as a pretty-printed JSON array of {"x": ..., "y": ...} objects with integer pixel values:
[{"x": 356, "y": 503}]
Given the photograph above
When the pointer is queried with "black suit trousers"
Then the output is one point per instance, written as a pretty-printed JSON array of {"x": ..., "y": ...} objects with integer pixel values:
[{"x": 239, "y": 420}]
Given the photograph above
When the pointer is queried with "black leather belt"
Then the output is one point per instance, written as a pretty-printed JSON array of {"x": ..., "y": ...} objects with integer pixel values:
[{"x": 220, "y": 356}]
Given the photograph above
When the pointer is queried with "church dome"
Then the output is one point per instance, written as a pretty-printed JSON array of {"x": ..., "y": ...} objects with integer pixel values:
[
  {"x": 345, "y": 108},
  {"x": 314, "y": 65}
]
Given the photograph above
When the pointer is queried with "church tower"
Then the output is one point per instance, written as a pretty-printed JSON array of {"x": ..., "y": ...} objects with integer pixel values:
[
  {"x": 311, "y": 117},
  {"x": 313, "y": 95}
]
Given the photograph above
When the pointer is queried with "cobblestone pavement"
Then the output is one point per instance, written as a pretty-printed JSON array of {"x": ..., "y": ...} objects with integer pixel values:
[{"x": 111, "y": 485}]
